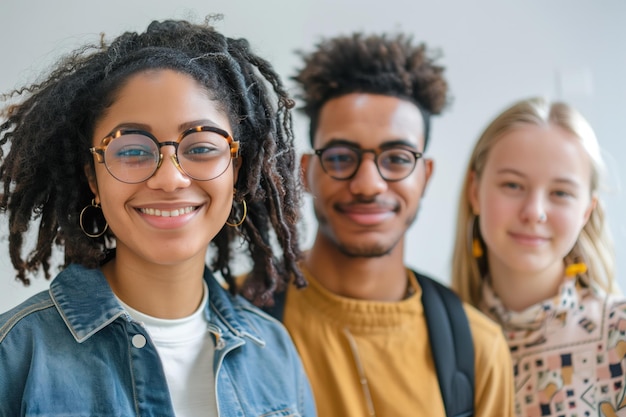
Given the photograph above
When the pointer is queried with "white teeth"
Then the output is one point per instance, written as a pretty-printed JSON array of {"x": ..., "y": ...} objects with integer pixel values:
[{"x": 166, "y": 213}]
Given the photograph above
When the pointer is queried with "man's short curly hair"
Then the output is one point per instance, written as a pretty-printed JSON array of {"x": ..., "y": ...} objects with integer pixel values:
[
  {"x": 46, "y": 136},
  {"x": 375, "y": 64}
]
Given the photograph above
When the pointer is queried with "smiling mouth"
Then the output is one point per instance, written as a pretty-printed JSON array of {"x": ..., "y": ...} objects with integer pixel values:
[
  {"x": 168, "y": 213},
  {"x": 529, "y": 239}
]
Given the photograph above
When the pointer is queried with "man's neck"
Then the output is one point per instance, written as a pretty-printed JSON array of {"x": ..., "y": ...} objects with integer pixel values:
[{"x": 381, "y": 278}]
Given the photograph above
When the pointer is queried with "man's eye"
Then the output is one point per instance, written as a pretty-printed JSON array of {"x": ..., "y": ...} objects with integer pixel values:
[
  {"x": 339, "y": 158},
  {"x": 398, "y": 159}
]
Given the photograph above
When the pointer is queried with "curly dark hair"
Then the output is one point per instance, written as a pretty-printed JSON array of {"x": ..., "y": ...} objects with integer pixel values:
[
  {"x": 376, "y": 64},
  {"x": 49, "y": 132}
]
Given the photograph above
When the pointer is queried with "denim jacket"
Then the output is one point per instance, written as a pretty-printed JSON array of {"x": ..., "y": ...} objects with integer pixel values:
[{"x": 74, "y": 351}]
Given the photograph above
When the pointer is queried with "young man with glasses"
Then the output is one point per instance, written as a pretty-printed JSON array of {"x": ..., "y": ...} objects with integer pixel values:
[{"x": 360, "y": 326}]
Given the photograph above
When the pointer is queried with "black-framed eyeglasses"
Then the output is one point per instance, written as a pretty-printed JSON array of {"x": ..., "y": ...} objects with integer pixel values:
[
  {"x": 342, "y": 162},
  {"x": 134, "y": 155}
]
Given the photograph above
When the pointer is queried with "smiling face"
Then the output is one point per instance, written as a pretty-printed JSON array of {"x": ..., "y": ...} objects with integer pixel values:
[
  {"x": 533, "y": 198},
  {"x": 169, "y": 218},
  {"x": 366, "y": 216}
]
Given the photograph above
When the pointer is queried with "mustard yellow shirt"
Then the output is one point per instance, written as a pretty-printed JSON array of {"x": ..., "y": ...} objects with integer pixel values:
[{"x": 342, "y": 340}]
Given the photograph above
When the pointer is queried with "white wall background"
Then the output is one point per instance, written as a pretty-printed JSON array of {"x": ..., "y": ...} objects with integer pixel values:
[{"x": 496, "y": 51}]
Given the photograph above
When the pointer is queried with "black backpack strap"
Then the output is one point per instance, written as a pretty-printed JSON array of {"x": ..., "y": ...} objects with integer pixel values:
[
  {"x": 452, "y": 346},
  {"x": 278, "y": 308}
]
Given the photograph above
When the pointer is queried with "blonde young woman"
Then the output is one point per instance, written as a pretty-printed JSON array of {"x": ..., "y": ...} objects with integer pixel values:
[{"x": 534, "y": 253}]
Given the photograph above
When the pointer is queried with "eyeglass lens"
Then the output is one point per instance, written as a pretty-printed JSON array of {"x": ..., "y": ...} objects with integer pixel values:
[
  {"x": 134, "y": 157},
  {"x": 342, "y": 162}
]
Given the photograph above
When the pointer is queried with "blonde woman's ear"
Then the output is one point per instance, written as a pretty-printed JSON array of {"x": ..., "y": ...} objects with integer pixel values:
[
  {"x": 472, "y": 193},
  {"x": 592, "y": 206}
]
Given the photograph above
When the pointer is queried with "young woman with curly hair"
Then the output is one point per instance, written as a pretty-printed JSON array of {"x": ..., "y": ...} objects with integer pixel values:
[{"x": 135, "y": 157}]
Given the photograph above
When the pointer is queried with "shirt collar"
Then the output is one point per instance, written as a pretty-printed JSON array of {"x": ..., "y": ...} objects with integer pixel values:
[
  {"x": 531, "y": 318},
  {"x": 87, "y": 304}
]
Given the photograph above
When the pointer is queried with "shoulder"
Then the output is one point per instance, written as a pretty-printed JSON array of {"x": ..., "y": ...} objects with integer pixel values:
[
  {"x": 36, "y": 306},
  {"x": 617, "y": 305},
  {"x": 484, "y": 330},
  {"x": 614, "y": 310},
  {"x": 239, "y": 314},
  {"x": 251, "y": 312},
  {"x": 482, "y": 326},
  {"x": 596, "y": 304},
  {"x": 490, "y": 346}
]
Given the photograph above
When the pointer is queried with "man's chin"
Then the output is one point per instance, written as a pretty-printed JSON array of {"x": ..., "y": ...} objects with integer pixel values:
[{"x": 364, "y": 251}]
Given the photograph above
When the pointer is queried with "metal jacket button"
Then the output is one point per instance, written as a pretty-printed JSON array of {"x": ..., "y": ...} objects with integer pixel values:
[{"x": 139, "y": 341}]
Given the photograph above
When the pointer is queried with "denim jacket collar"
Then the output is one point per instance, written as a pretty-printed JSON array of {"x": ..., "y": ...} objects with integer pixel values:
[{"x": 87, "y": 304}]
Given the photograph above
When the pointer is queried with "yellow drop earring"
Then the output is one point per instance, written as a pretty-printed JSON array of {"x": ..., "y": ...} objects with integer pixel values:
[
  {"x": 476, "y": 244},
  {"x": 575, "y": 269},
  {"x": 477, "y": 249}
]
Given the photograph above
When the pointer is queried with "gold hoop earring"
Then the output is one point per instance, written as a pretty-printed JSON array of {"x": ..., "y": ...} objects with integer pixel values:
[
  {"x": 245, "y": 213},
  {"x": 82, "y": 213}
]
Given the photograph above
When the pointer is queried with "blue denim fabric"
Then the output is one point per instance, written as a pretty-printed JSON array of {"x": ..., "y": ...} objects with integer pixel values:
[{"x": 69, "y": 352}]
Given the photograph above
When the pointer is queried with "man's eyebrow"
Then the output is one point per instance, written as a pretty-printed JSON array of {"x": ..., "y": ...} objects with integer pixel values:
[{"x": 385, "y": 145}]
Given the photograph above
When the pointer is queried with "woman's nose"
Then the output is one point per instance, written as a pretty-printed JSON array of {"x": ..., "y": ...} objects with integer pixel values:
[
  {"x": 534, "y": 209},
  {"x": 169, "y": 176}
]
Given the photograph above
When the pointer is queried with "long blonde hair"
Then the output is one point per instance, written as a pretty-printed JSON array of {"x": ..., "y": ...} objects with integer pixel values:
[{"x": 594, "y": 245}]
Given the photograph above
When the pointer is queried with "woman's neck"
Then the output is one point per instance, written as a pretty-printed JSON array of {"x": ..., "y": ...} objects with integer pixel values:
[
  {"x": 519, "y": 290},
  {"x": 161, "y": 291}
]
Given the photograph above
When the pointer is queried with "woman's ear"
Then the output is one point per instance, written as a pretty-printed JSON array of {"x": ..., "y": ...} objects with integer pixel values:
[
  {"x": 592, "y": 206},
  {"x": 91, "y": 179},
  {"x": 237, "y": 162},
  {"x": 472, "y": 192}
]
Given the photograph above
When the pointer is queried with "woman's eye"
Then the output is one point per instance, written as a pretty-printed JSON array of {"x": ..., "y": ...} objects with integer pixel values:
[
  {"x": 131, "y": 152},
  {"x": 201, "y": 149},
  {"x": 200, "y": 152},
  {"x": 562, "y": 194},
  {"x": 512, "y": 185}
]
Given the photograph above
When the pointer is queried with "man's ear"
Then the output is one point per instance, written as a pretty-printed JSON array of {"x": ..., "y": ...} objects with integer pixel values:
[
  {"x": 472, "y": 192},
  {"x": 429, "y": 168},
  {"x": 91, "y": 179},
  {"x": 305, "y": 159}
]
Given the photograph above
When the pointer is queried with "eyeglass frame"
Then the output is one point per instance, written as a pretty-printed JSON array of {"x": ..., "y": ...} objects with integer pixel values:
[
  {"x": 99, "y": 151},
  {"x": 360, "y": 151}
]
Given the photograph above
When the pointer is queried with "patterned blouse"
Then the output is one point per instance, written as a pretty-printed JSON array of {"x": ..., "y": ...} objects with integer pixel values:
[{"x": 569, "y": 352}]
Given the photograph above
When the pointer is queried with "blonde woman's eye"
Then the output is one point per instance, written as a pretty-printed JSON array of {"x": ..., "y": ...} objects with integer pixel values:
[
  {"x": 511, "y": 185},
  {"x": 562, "y": 194}
]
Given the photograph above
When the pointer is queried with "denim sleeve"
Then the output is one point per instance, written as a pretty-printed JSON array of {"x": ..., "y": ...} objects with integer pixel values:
[{"x": 306, "y": 402}]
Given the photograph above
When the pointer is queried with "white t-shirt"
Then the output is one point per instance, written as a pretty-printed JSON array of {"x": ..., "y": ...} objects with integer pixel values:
[{"x": 186, "y": 349}]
